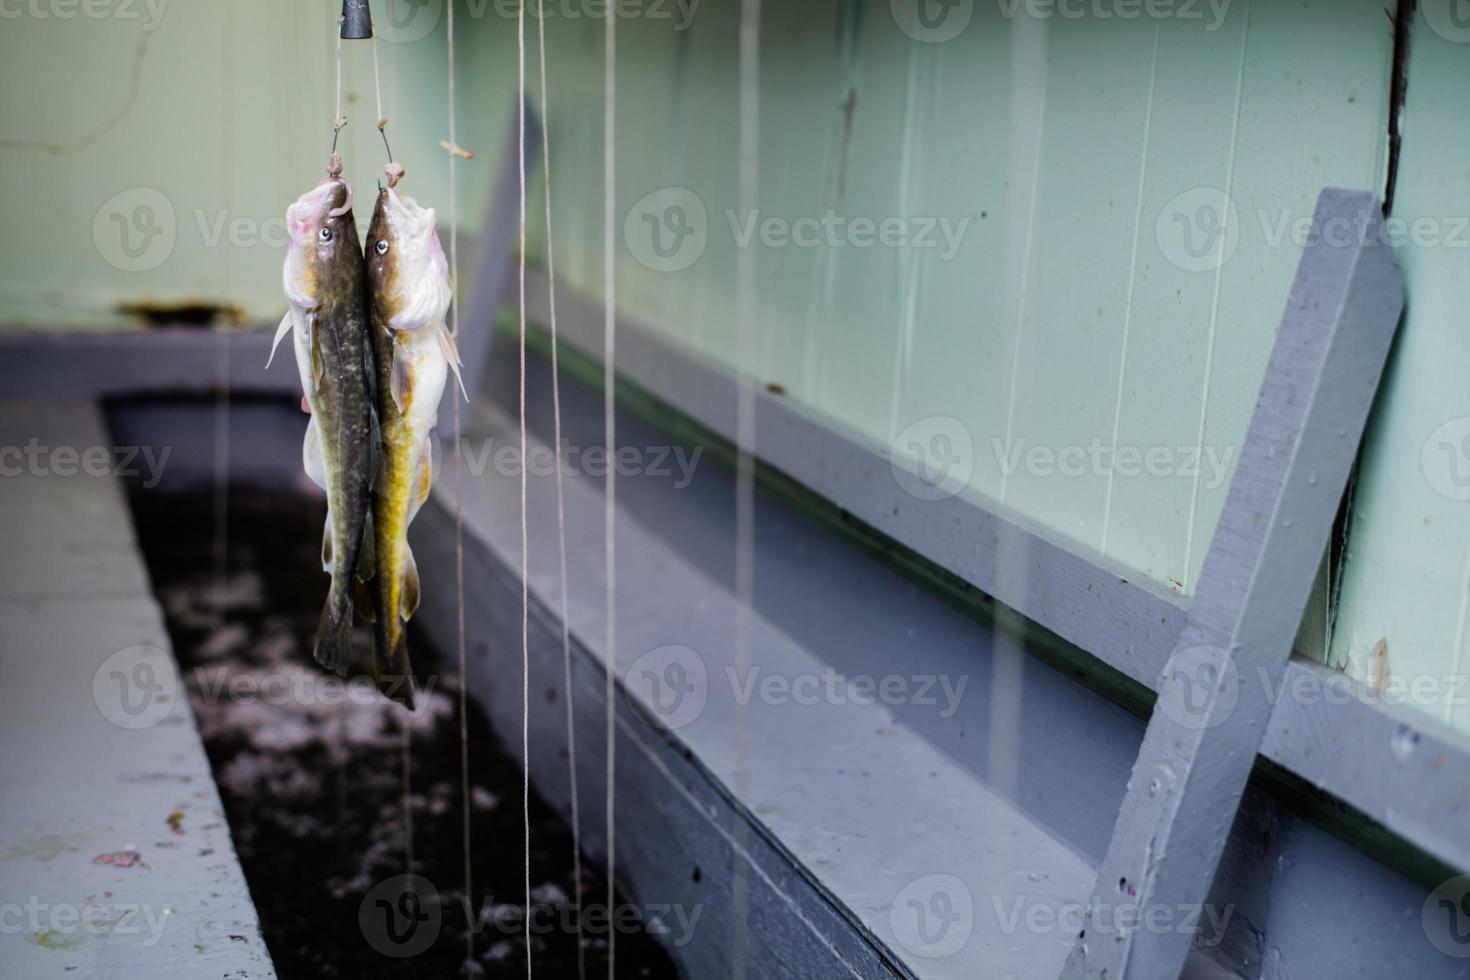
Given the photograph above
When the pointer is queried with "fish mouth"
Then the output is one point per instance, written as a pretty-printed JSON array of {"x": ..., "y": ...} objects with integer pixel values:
[
  {"x": 315, "y": 207},
  {"x": 408, "y": 220},
  {"x": 347, "y": 193}
]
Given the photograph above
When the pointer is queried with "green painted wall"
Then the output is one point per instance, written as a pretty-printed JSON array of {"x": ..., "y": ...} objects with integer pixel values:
[
  {"x": 1404, "y": 581},
  {"x": 1086, "y": 304},
  {"x": 1075, "y": 154},
  {"x": 213, "y": 116}
]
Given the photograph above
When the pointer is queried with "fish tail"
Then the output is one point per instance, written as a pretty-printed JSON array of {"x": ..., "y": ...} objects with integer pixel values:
[
  {"x": 334, "y": 633},
  {"x": 391, "y": 668}
]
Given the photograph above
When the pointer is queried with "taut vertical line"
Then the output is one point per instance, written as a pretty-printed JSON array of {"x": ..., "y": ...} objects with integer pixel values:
[
  {"x": 525, "y": 524},
  {"x": 464, "y": 681},
  {"x": 746, "y": 273},
  {"x": 561, "y": 510},
  {"x": 609, "y": 348}
]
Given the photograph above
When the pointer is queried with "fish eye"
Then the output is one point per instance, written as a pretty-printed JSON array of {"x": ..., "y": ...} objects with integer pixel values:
[
  {"x": 326, "y": 234},
  {"x": 382, "y": 246}
]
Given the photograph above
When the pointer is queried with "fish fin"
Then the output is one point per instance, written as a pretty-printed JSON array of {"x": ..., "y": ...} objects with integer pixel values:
[
  {"x": 393, "y": 672},
  {"x": 423, "y": 479},
  {"x": 334, "y": 634},
  {"x": 451, "y": 354},
  {"x": 311, "y": 454},
  {"x": 401, "y": 378},
  {"x": 287, "y": 322},
  {"x": 408, "y": 602},
  {"x": 391, "y": 667},
  {"x": 318, "y": 365},
  {"x": 329, "y": 559},
  {"x": 363, "y": 600}
]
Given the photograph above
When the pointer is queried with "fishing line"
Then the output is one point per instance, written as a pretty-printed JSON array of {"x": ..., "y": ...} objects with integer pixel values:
[
  {"x": 339, "y": 120},
  {"x": 378, "y": 91},
  {"x": 561, "y": 513},
  {"x": 746, "y": 272},
  {"x": 609, "y": 349},
  {"x": 464, "y": 725},
  {"x": 525, "y": 533}
]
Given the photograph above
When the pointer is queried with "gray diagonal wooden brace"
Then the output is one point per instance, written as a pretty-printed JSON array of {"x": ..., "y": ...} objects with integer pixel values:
[{"x": 1220, "y": 684}]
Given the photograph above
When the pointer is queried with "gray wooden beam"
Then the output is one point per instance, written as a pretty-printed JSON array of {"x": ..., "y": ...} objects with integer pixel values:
[
  {"x": 492, "y": 270},
  {"x": 1219, "y": 686},
  {"x": 1112, "y": 614}
]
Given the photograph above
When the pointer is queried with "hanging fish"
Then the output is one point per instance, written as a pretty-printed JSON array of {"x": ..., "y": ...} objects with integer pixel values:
[
  {"x": 326, "y": 291},
  {"x": 408, "y": 281}
]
